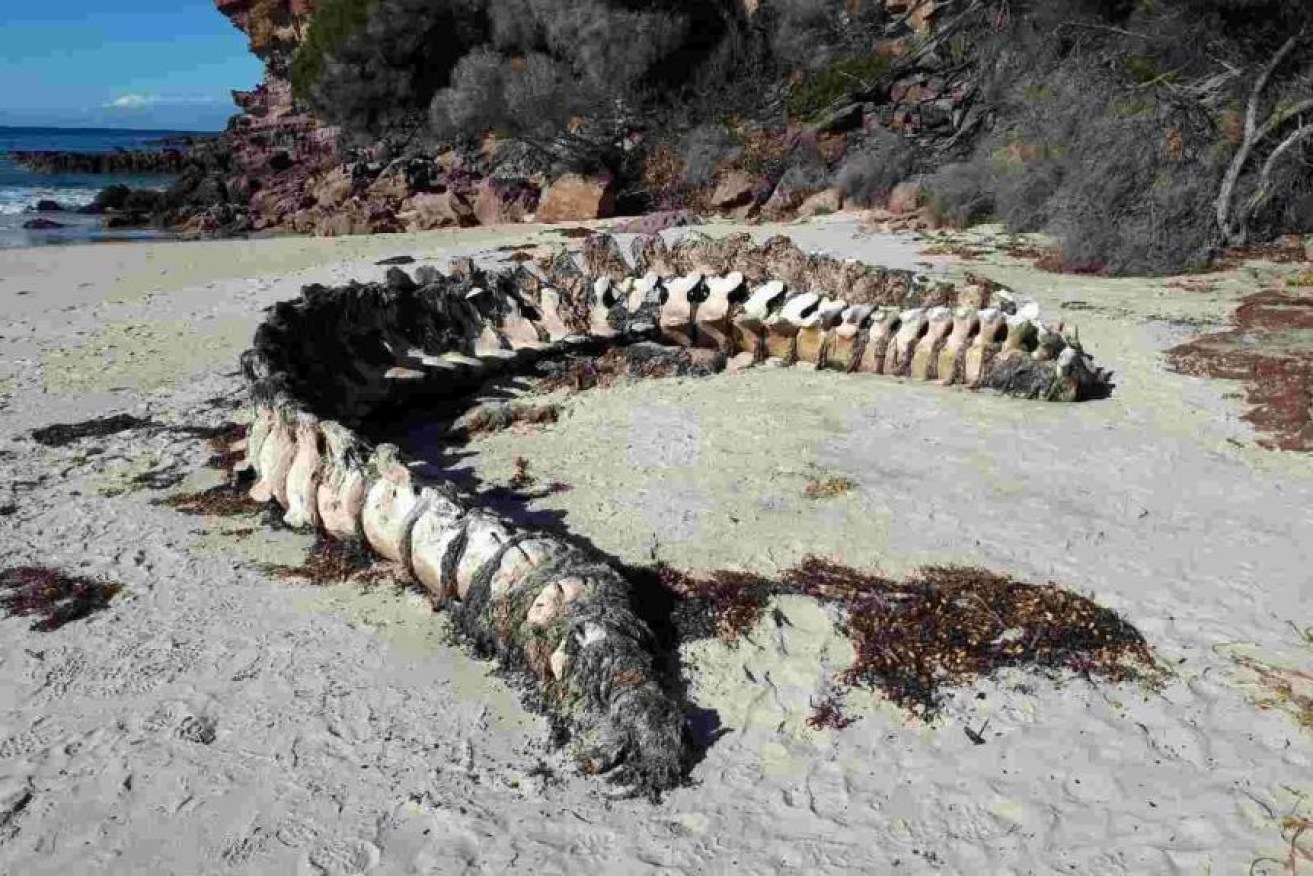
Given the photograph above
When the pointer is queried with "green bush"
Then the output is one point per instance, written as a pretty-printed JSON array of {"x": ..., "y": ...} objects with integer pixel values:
[
  {"x": 333, "y": 23},
  {"x": 826, "y": 87}
]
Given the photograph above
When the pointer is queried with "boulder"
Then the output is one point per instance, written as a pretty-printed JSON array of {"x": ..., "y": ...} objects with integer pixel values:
[
  {"x": 424, "y": 212},
  {"x": 736, "y": 189},
  {"x": 500, "y": 202},
  {"x": 351, "y": 219},
  {"x": 48, "y": 206},
  {"x": 820, "y": 204},
  {"x": 784, "y": 201},
  {"x": 574, "y": 198},
  {"x": 42, "y": 224},
  {"x": 333, "y": 188},
  {"x": 391, "y": 187}
]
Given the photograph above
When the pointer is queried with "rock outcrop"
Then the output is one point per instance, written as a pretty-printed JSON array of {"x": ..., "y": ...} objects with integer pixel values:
[{"x": 167, "y": 161}]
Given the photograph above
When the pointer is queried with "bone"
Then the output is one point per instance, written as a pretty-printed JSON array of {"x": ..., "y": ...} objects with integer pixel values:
[
  {"x": 782, "y": 328},
  {"x": 552, "y": 601},
  {"x": 555, "y": 326},
  {"x": 262, "y": 423},
  {"x": 276, "y": 456},
  {"x": 1049, "y": 342},
  {"x": 993, "y": 326},
  {"x": 466, "y": 366},
  {"x": 391, "y": 505},
  {"x": 677, "y": 312},
  {"x": 750, "y": 323},
  {"x": 599, "y": 316},
  {"x": 519, "y": 561},
  {"x": 340, "y": 495},
  {"x": 491, "y": 349},
  {"x": 519, "y": 331},
  {"x": 912, "y": 324},
  {"x": 437, "y": 531},
  {"x": 644, "y": 291},
  {"x": 303, "y": 476},
  {"x": 842, "y": 353},
  {"x": 813, "y": 335},
  {"x": 884, "y": 322},
  {"x": 764, "y": 299},
  {"x": 484, "y": 537},
  {"x": 713, "y": 315},
  {"x": 1020, "y": 337},
  {"x": 966, "y": 321},
  {"x": 925, "y": 358}
]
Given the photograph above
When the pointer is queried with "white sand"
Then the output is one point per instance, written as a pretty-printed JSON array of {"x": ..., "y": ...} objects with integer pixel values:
[{"x": 348, "y": 738}]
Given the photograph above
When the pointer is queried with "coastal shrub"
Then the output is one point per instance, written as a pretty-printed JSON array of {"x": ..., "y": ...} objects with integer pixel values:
[
  {"x": 812, "y": 34},
  {"x": 832, "y": 84},
  {"x": 333, "y": 23},
  {"x": 870, "y": 172},
  {"x": 961, "y": 194},
  {"x": 1111, "y": 130},
  {"x": 704, "y": 149}
]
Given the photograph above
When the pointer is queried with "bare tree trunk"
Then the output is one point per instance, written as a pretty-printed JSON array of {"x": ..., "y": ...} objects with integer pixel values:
[
  {"x": 1303, "y": 132},
  {"x": 1233, "y": 231}
]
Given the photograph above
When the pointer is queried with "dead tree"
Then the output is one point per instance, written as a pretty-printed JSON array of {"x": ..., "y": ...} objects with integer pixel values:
[{"x": 1232, "y": 218}]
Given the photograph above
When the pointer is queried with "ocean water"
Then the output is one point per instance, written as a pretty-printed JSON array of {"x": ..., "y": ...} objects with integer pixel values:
[{"x": 20, "y": 188}]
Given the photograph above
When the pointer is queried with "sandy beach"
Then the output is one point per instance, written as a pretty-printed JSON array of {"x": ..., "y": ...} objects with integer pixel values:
[{"x": 217, "y": 719}]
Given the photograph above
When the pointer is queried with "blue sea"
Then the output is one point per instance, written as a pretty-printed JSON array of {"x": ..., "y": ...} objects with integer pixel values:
[{"x": 20, "y": 188}]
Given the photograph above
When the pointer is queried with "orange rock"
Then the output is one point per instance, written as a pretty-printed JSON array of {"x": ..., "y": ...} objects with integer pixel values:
[
  {"x": 821, "y": 203},
  {"x": 333, "y": 188},
  {"x": 494, "y": 205},
  {"x": 424, "y": 212},
  {"x": 574, "y": 197},
  {"x": 734, "y": 190}
]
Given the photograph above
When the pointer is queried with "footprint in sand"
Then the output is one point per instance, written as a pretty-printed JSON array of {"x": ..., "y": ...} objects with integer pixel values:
[{"x": 347, "y": 857}]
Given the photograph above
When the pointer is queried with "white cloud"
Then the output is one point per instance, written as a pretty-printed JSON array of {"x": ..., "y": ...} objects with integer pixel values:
[
  {"x": 142, "y": 101},
  {"x": 132, "y": 101}
]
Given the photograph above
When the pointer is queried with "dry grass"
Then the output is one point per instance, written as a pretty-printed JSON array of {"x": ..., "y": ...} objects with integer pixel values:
[
  {"x": 52, "y": 597},
  {"x": 829, "y": 487}
]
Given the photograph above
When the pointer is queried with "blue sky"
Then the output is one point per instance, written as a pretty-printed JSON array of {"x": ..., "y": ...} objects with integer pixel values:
[{"x": 120, "y": 63}]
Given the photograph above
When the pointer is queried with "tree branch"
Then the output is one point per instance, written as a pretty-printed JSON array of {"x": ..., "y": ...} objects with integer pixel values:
[
  {"x": 1303, "y": 132},
  {"x": 1234, "y": 232}
]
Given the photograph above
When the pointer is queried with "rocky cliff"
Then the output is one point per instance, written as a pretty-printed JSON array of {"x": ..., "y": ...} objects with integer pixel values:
[{"x": 278, "y": 168}]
